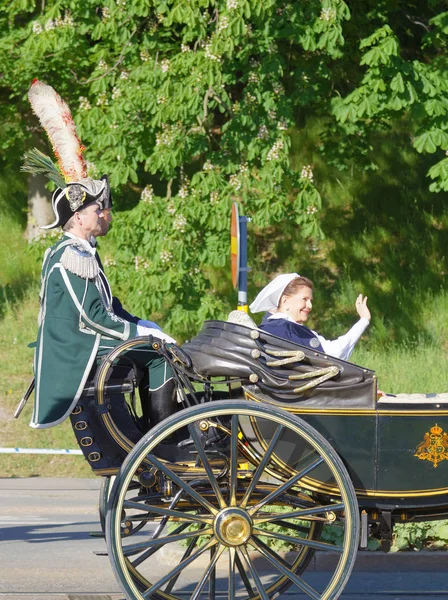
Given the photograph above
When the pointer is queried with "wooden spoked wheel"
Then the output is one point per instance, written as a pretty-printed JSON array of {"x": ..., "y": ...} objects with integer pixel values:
[{"x": 223, "y": 531}]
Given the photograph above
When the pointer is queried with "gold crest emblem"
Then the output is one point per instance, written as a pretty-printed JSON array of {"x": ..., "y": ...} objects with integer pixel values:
[{"x": 434, "y": 446}]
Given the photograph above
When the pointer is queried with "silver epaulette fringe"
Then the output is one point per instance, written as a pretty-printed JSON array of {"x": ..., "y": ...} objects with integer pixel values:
[{"x": 80, "y": 262}]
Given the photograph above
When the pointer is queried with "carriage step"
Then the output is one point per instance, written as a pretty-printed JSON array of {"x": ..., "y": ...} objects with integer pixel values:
[{"x": 97, "y": 534}]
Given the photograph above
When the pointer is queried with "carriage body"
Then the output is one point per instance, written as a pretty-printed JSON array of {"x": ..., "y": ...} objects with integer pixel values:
[
  {"x": 270, "y": 426},
  {"x": 395, "y": 447}
]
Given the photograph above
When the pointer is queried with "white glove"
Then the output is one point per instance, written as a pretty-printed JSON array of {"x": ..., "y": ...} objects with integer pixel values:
[
  {"x": 158, "y": 333},
  {"x": 149, "y": 324}
]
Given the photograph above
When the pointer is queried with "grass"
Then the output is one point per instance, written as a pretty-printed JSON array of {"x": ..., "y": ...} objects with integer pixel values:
[
  {"x": 412, "y": 367},
  {"x": 17, "y": 329},
  {"x": 407, "y": 369}
]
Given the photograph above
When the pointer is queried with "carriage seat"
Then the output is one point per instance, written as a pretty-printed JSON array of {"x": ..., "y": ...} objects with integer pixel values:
[{"x": 276, "y": 369}]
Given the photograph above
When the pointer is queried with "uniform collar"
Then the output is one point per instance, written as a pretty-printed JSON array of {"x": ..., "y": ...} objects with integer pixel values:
[{"x": 90, "y": 247}]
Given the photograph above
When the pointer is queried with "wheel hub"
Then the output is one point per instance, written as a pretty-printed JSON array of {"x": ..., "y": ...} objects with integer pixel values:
[{"x": 233, "y": 526}]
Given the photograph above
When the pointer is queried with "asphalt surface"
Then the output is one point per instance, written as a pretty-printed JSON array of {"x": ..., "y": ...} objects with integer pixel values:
[{"x": 48, "y": 551}]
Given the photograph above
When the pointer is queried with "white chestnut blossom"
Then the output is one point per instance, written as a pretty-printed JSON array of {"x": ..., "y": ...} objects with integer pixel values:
[
  {"x": 274, "y": 152},
  {"x": 144, "y": 55},
  {"x": 223, "y": 23},
  {"x": 185, "y": 48},
  {"x": 147, "y": 194},
  {"x": 328, "y": 14},
  {"x": 208, "y": 166},
  {"x": 214, "y": 198},
  {"x": 235, "y": 182},
  {"x": 68, "y": 19},
  {"x": 166, "y": 256},
  {"x": 116, "y": 93},
  {"x": 166, "y": 136},
  {"x": 37, "y": 27},
  {"x": 278, "y": 89},
  {"x": 311, "y": 210},
  {"x": 250, "y": 98},
  {"x": 180, "y": 223},
  {"x": 124, "y": 75},
  {"x": 102, "y": 64},
  {"x": 183, "y": 192},
  {"x": 140, "y": 263},
  {"x": 209, "y": 54},
  {"x": 109, "y": 262},
  {"x": 232, "y": 4},
  {"x": 165, "y": 65},
  {"x": 253, "y": 77},
  {"x": 49, "y": 25},
  {"x": 307, "y": 173},
  {"x": 102, "y": 99},
  {"x": 263, "y": 133},
  {"x": 84, "y": 104}
]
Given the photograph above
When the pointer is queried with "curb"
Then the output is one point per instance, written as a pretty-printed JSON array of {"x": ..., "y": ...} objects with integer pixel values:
[
  {"x": 423, "y": 561},
  {"x": 378, "y": 561}
]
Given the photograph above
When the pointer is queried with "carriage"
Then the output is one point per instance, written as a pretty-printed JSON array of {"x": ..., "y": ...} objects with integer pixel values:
[{"x": 276, "y": 452}]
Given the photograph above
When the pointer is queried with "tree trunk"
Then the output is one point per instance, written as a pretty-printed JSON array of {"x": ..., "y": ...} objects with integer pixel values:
[{"x": 40, "y": 211}]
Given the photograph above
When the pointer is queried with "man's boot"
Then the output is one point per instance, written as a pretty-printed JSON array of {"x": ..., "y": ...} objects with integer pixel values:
[
  {"x": 162, "y": 402},
  {"x": 157, "y": 404}
]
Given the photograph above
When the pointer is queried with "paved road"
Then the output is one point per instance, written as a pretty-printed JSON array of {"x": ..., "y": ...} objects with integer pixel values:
[{"x": 48, "y": 552}]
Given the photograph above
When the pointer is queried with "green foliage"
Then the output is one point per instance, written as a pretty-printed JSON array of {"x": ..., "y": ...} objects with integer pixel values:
[
  {"x": 316, "y": 119},
  {"x": 192, "y": 105},
  {"x": 415, "y": 85},
  {"x": 431, "y": 535}
]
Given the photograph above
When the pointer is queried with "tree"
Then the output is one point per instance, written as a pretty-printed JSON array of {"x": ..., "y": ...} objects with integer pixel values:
[
  {"x": 192, "y": 105},
  {"x": 400, "y": 79}
]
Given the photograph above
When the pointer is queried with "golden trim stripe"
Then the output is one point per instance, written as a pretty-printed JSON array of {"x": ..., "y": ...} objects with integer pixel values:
[{"x": 348, "y": 411}]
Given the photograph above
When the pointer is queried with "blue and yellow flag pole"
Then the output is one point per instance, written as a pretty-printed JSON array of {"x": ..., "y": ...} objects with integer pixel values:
[{"x": 238, "y": 246}]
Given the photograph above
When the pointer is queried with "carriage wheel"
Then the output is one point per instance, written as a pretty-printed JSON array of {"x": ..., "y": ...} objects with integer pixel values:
[
  {"x": 128, "y": 526},
  {"x": 224, "y": 532},
  {"x": 105, "y": 488}
]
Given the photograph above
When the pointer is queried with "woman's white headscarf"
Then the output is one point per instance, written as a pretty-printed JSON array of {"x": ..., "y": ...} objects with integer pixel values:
[{"x": 270, "y": 295}]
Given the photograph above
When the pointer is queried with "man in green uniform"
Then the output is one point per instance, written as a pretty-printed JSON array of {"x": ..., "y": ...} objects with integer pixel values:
[{"x": 79, "y": 319}]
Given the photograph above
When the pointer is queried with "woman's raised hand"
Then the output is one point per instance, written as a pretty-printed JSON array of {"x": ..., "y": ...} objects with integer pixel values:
[{"x": 361, "y": 307}]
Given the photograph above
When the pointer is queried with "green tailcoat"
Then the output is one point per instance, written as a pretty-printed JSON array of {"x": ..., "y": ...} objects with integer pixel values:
[{"x": 75, "y": 317}]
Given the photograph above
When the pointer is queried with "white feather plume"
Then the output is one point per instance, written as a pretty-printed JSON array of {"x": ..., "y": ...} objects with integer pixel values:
[{"x": 56, "y": 118}]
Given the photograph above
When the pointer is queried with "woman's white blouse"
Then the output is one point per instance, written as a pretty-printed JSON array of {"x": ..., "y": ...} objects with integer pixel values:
[{"x": 343, "y": 346}]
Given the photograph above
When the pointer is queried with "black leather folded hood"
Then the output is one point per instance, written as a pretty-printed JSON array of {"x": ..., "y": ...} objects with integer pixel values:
[{"x": 223, "y": 349}]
